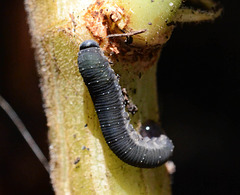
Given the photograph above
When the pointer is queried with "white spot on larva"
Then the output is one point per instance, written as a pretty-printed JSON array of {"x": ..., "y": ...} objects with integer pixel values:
[
  {"x": 141, "y": 161},
  {"x": 147, "y": 128},
  {"x": 144, "y": 154},
  {"x": 159, "y": 157},
  {"x": 118, "y": 123},
  {"x": 114, "y": 107},
  {"x": 82, "y": 68},
  {"x": 91, "y": 67},
  {"x": 103, "y": 93},
  {"x": 99, "y": 110},
  {"x": 115, "y": 139},
  {"x": 97, "y": 81},
  {"x": 89, "y": 83},
  {"x": 130, "y": 148},
  {"x": 125, "y": 152},
  {"x": 107, "y": 108},
  {"x": 109, "y": 125},
  {"x": 122, "y": 137},
  {"x": 171, "y": 4},
  {"x": 109, "y": 142},
  {"x": 108, "y": 92}
]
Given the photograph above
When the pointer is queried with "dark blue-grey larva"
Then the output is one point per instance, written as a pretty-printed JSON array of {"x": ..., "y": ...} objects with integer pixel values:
[{"x": 108, "y": 100}]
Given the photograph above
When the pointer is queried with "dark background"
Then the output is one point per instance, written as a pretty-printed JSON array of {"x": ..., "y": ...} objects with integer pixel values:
[{"x": 199, "y": 88}]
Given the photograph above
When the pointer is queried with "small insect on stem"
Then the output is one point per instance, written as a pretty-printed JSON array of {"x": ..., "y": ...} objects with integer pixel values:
[
  {"x": 25, "y": 133},
  {"x": 106, "y": 93},
  {"x": 128, "y": 35}
]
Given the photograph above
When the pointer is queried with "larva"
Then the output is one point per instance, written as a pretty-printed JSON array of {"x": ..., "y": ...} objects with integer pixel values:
[{"x": 106, "y": 93}]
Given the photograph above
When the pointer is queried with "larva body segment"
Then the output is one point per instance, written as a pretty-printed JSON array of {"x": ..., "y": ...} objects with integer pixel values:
[{"x": 108, "y": 100}]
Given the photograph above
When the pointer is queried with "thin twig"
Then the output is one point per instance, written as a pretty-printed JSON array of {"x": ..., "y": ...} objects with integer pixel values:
[
  {"x": 25, "y": 133},
  {"x": 127, "y": 34}
]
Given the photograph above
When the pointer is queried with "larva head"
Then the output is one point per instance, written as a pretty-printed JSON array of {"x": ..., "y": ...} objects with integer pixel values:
[
  {"x": 91, "y": 61},
  {"x": 88, "y": 44}
]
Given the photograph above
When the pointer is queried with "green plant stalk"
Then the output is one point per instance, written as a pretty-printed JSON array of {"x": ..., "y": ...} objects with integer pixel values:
[{"x": 81, "y": 161}]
